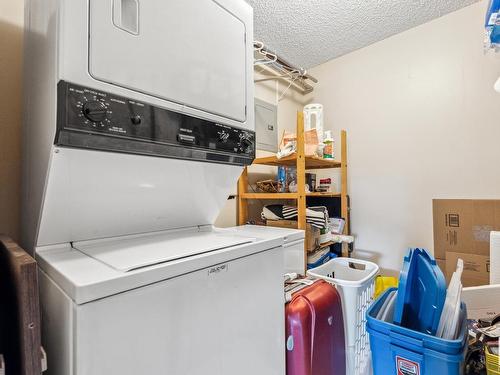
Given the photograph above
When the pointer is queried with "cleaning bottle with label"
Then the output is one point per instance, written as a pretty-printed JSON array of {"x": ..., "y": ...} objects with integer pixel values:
[{"x": 328, "y": 141}]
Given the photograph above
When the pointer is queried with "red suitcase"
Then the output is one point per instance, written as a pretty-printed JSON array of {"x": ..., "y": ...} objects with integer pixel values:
[{"x": 315, "y": 342}]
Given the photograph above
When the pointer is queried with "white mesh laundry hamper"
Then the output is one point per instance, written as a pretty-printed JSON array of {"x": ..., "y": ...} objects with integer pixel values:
[{"x": 355, "y": 282}]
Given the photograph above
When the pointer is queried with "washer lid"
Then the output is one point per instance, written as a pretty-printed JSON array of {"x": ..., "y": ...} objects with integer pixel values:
[
  {"x": 86, "y": 278},
  {"x": 133, "y": 253}
]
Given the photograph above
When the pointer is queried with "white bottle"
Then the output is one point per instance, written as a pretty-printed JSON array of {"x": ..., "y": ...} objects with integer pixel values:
[{"x": 313, "y": 119}]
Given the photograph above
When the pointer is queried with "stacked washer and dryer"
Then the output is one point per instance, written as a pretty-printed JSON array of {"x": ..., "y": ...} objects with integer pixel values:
[{"x": 138, "y": 123}]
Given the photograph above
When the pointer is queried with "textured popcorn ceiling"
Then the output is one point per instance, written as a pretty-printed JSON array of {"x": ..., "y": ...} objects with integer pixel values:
[{"x": 310, "y": 32}]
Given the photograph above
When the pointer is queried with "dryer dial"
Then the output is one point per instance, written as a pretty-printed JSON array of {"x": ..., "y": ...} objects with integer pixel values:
[{"x": 95, "y": 111}]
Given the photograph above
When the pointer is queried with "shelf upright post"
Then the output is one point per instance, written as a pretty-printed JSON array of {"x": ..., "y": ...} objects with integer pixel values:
[
  {"x": 242, "y": 203},
  {"x": 301, "y": 178}
]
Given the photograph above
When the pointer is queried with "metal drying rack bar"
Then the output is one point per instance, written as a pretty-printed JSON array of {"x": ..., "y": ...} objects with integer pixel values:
[{"x": 280, "y": 69}]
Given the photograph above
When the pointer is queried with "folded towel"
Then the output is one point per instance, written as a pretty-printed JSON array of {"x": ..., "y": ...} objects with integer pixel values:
[{"x": 316, "y": 216}]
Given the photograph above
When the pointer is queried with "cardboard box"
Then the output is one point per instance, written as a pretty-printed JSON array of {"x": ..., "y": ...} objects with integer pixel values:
[
  {"x": 462, "y": 230},
  {"x": 464, "y": 226},
  {"x": 476, "y": 268},
  {"x": 312, "y": 233}
]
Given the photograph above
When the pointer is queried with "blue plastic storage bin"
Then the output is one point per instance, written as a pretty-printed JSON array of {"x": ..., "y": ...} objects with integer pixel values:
[{"x": 397, "y": 350}]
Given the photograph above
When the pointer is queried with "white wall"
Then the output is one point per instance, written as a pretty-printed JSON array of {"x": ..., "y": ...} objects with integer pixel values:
[
  {"x": 423, "y": 122},
  {"x": 11, "y": 48}
]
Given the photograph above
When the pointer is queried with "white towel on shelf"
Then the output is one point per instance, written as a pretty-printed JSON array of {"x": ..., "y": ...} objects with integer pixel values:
[{"x": 316, "y": 216}]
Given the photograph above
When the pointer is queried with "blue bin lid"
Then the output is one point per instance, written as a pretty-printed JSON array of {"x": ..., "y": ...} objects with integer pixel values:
[{"x": 421, "y": 293}]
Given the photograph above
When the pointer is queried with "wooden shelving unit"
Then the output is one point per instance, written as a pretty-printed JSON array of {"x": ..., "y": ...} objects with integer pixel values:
[{"x": 302, "y": 163}]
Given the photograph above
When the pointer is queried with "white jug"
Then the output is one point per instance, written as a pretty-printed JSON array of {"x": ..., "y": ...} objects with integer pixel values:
[{"x": 313, "y": 119}]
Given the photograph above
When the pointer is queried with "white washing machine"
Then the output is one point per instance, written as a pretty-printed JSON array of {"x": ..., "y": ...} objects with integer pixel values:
[
  {"x": 130, "y": 306},
  {"x": 138, "y": 122}
]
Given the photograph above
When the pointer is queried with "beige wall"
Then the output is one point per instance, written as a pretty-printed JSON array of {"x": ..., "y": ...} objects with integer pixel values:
[
  {"x": 423, "y": 122},
  {"x": 11, "y": 37}
]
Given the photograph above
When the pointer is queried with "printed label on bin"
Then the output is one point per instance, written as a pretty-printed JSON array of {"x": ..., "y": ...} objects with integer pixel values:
[{"x": 407, "y": 367}]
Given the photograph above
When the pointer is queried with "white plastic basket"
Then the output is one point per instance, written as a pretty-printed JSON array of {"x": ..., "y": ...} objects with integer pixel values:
[{"x": 355, "y": 282}]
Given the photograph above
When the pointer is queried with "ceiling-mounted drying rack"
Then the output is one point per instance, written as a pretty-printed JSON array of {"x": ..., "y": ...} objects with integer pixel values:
[{"x": 275, "y": 67}]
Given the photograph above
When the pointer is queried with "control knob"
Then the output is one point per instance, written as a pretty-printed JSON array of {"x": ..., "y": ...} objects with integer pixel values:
[
  {"x": 223, "y": 136},
  {"x": 246, "y": 144},
  {"x": 95, "y": 111},
  {"x": 136, "y": 119}
]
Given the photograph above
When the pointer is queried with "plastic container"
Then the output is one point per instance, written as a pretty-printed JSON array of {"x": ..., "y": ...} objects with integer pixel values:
[
  {"x": 291, "y": 178},
  {"x": 399, "y": 350},
  {"x": 313, "y": 119},
  {"x": 282, "y": 179},
  {"x": 421, "y": 293},
  {"x": 355, "y": 281},
  {"x": 492, "y": 361}
]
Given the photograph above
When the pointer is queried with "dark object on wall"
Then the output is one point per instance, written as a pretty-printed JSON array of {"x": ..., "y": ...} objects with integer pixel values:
[{"x": 20, "y": 341}]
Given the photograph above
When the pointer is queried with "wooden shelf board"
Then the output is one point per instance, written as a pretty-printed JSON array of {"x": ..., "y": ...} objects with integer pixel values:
[
  {"x": 327, "y": 195},
  {"x": 327, "y": 244},
  {"x": 285, "y": 195},
  {"x": 312, "y": 162},
  {"x": 269, "y": 196}
]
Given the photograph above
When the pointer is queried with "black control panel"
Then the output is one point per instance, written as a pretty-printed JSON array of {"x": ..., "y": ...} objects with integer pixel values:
[{"x": 92, "y": 119}]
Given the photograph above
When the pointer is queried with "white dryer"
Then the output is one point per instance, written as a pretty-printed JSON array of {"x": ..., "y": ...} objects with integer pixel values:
[{"x": 138, "y": 122}]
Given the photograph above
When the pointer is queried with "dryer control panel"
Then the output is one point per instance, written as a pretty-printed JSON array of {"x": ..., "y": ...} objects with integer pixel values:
[{"x": 93, "y": 119}]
